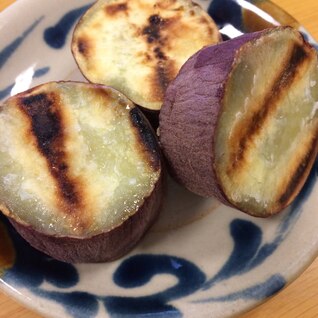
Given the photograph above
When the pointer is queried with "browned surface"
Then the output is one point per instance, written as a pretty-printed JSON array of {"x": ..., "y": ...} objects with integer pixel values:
[
  {"x": 117, "y": 8},
  {"x": 248, "y": 129},
  {"x": 298, "y": 175},
  {"x": 164, "y": 37},
  {"x": 242, "y": 140},
  {"x": 84, "y": 46},
  {"x": 47, "y": 128}
]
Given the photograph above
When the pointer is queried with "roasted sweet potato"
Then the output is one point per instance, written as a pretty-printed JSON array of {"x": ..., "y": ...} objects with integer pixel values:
[
  {"x": 240, "y": 121},
  {"x": 138, "y": 46},
  {"x": 80, "y": 170}
]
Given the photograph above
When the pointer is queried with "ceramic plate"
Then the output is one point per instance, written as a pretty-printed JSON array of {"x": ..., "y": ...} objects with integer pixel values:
[{"x": 201, "y": 259}]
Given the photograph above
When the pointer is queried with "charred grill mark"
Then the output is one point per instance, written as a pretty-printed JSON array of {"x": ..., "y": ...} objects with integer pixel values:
[
  {"x": 162, "y": 79},
  {"x": 164, "y": 70},
  {"x": 147, "y": 138},
  {"x": 47, "y": 129},
  {"x": 298, "y": 56},
  {"x": 247, "y": 132},
  {"x": 152, "y": 31},
  {"x": 250, "y": 131},
  {"x": 114, "y": 9},
  {"x": 299, "y": 176},
  {"x": 159, "y": 54},
  {"x": 164, "y": 73}
]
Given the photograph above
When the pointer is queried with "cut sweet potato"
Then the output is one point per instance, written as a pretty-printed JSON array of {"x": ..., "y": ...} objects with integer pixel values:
[
  {"x": 138, "y": 46},
  {"x": 240, "y": 122},
  {"x": 80, "y": 170}
]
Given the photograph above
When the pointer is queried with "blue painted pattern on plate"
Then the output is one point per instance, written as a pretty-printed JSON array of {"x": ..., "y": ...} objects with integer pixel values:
[
  {"x": 55, "y": 36},
  {"x": 9, "y": 50}
]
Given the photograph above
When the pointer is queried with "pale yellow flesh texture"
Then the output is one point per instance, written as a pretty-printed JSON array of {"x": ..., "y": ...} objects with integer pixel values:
[
  {"x": 116, "y": 44},
  {"x": 104, "y": 156},
  {"x": 257, "y": 180}
]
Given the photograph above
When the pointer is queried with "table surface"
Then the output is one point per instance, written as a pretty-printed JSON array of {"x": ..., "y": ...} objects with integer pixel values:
[{"x": 300, "y": 298}]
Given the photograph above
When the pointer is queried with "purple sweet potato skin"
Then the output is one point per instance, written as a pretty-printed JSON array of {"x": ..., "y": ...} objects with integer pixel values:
[
  {"x": 103, "y": 247},
  {"x": 190, "y": 113}
]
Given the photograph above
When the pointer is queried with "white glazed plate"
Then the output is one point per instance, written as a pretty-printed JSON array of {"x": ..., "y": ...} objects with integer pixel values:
[{"x": 201, "y": 259}]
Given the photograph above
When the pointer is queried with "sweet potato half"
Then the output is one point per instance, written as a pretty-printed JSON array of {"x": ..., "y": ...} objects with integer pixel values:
[
  {"x": 80, "y": 170},
  {"x": 138, "y": 46},
  {"x": 240, "y": 121}
]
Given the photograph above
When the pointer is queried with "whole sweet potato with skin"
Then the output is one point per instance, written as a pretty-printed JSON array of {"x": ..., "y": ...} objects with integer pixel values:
[
  {"x": 240, "y": 120},
  {"x": 80, "y": 170}
]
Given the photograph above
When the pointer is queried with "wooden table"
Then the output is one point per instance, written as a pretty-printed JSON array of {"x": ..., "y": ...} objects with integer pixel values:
[{"x": 299, "y": 299}]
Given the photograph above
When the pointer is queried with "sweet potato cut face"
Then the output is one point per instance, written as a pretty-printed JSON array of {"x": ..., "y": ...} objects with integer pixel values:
[
  {"x": 76, "y": 161},
  {"x": 260, "y": 139},
  {"x": 138, "y": 46},
  {"x": 266, "y": 137}
]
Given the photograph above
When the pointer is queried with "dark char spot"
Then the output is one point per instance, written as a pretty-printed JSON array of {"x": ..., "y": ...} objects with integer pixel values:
[
  {"x": 82, "y": 46},
  {"x": 45, "y": 123},
  {"x": 159, "y": 54},
  {"x": 47, "y": 129},
  {"x": 297, "y": 57},
  {"x": 152, "y": 31},
  {"x": 147, "y": 137}
]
